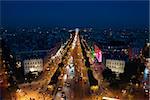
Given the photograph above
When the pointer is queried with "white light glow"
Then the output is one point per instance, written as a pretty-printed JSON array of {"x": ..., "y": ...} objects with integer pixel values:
[
  {"x": 32, "y": 69},
  {"x": 108, "y": 98},
  {"x": 65, "y": 77},
  {"x": 146, "y": 71}
]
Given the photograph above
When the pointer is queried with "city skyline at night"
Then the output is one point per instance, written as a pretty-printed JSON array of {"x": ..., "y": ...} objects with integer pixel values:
[{"x": 74, "y": 50}]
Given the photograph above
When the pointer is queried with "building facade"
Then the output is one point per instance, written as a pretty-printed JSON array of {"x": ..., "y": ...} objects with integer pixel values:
[
  {"x": 116, "y": 66},
  {"x": 33, "y": 65}
]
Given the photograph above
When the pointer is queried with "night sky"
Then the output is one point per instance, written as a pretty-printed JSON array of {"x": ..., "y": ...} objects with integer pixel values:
[{"x": 75, "y": 13}]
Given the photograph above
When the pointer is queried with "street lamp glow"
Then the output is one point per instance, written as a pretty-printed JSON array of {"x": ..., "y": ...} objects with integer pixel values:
[{"x": 94, "y": 88}]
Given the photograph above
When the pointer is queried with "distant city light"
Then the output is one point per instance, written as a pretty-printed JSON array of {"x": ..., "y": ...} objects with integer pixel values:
[
  {"x": 146, "y": 71},
  {"x": 18, "y": 64}
]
